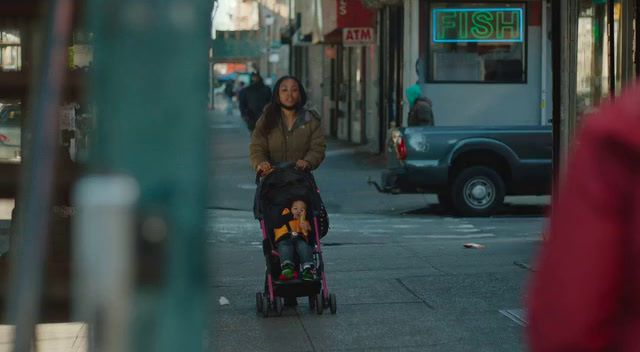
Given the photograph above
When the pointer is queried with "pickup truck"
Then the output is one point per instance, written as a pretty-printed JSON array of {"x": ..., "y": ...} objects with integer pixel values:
[
  {"x": 471, "y": 169},
  {"x": 10, "y": 133}
]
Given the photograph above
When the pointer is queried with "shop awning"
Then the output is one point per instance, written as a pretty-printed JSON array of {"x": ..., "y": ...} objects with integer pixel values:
[
  {"x": 339, "y": 14},
  {"x": 323, "y": 22}
]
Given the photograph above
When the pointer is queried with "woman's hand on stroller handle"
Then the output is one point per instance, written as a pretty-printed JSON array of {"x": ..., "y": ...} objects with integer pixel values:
[
  {"x": 264, "y": 168},
  {"x": 303, "y": 165}
]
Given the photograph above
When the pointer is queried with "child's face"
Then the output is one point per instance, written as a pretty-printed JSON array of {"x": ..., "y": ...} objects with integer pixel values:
[{"x": 298, "y": 208}]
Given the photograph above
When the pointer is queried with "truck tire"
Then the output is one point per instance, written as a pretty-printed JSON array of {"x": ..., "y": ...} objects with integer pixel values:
[{"x": 477, "y": 191}]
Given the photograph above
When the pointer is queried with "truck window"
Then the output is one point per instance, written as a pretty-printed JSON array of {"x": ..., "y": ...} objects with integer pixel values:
[{"x": 11, "y": 118}]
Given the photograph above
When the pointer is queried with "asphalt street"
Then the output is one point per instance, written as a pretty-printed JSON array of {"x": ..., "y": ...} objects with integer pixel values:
[{"x": 403, "y": 280}]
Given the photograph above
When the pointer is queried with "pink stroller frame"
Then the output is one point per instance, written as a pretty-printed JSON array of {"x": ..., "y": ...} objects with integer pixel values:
[{"x": 301, "y": 185}]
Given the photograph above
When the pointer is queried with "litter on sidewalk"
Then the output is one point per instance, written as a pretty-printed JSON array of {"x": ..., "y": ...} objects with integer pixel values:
[
  {"x": 223, "y": 301},
  {"x": 472, "y": 245}
]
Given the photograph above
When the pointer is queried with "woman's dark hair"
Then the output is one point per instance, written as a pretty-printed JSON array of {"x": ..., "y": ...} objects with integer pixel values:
[{"x": 272, "y": 111}]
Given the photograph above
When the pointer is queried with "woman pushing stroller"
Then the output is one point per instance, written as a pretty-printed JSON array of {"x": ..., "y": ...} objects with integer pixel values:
[{"x": 289, "y": 132}]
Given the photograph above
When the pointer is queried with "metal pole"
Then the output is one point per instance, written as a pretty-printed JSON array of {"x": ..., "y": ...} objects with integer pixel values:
[
  {"x": 637, "y": 51},
  {"x": 625, "y": 50},
  {"x": 556, "y": 54},
  {"x": 37, "y": 177},
  {"x": 382, "y": 37},
  {"x": 597, "y": 81},
  {"x": 612, "y": 48},
  {"x": 141, "y": 87},
  {"x": 543, "y": 64}
]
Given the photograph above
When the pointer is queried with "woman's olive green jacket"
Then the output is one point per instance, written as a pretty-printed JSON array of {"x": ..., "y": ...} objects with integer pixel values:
[{"x": 305, "y": 141}]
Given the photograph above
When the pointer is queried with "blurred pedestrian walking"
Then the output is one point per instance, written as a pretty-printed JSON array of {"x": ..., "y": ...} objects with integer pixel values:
[
  {"x": 585, "y": 294},
  {"x": 253, "y": 99},
  {"x": 229, "y": 92}
]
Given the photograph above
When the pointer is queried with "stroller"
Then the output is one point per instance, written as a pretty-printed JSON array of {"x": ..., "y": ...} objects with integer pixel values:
[{"x": 273, "y": 193}]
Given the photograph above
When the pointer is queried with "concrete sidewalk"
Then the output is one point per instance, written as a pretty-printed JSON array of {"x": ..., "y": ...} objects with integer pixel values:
[{"x": 403, "y": 283}]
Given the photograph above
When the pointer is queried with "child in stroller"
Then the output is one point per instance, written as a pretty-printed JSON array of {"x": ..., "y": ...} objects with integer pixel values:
[
  {"x": 275, "y": 194},
  {"x": 292, "y": 232}
]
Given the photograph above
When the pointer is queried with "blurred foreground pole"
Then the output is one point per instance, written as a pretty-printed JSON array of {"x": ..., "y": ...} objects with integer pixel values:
[
  {"x": 36, "y": 178},
  {"x": 149, "y": 85}
]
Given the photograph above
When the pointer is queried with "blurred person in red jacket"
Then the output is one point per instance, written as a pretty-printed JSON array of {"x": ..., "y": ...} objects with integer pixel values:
[{"x": 585, "y": 294}]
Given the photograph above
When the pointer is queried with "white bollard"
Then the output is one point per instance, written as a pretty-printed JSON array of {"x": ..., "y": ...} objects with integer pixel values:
[{"x": 103, "y": 258}]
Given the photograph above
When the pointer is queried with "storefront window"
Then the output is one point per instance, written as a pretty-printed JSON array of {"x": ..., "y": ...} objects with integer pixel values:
[
  {"x": 10, "y": 51},
  {"x": 593, "y": 71},
  {"x": 477, "y": 42},
  {"x": 81, "y": 53}
]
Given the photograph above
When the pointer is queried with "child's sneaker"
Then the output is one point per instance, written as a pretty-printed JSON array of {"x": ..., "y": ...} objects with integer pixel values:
[
  {"x": 287, "y": 272},
  {"x": 307, "y": 274}
]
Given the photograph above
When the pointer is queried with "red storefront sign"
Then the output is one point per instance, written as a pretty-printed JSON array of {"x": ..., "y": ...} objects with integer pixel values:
[
  {"x": 351, "y": 13},
  {"x": 331, "y": 52},
  {"x": 358, "y": 36}
]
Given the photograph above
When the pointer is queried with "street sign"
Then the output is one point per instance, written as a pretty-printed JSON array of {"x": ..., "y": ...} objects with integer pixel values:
[{"x": 358, "y": 36}]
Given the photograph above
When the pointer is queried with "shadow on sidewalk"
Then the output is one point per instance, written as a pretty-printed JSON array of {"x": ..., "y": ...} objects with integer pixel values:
[{"x": 508, "y": 210}]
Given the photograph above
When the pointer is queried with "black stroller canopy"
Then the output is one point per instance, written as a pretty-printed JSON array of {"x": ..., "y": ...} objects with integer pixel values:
[{"x": 283, "y": 186}]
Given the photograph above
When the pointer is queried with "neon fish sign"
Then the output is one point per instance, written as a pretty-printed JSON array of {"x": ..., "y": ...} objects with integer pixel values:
[{"x": 478, "y": 25}]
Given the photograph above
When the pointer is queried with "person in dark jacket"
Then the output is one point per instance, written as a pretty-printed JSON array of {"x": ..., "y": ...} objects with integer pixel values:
[
  {"x": 585, "y": 292},
  {"x": 253, "y": 99},
  {"x": 229, "y": 92},
  {"x": 420, "y": 112}
]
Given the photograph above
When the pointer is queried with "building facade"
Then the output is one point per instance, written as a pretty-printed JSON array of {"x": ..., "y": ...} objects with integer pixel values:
[
  {"x": 335, "y": 52},
  {"x": 481, "y": 63},
  {"x": 598, "y": 57},
  {"x": 503, "y": 77},
  {"x": 492, "y": 56}
]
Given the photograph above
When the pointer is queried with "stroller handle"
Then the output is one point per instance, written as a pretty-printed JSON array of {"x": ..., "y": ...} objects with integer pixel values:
[{"x": 280, "y": 165}]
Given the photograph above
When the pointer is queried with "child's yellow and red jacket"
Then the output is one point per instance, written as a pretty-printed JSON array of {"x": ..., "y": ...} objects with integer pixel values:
[{"x": 286, "y": 225}]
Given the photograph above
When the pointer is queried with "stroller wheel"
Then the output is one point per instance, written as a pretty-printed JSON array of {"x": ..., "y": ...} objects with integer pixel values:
[
  {"x": 265, "y": 306},
  {"x": 332, "y": 303},
  {"x": 259, "y": 301},
  {"x": 278, "y": 306},
  {"x": 319, "y": 303},
  {"x": 312, "y": 302}
]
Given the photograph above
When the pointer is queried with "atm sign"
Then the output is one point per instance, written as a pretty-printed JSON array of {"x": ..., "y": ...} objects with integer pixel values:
[
  {"x": 358, "y": 36},
  {"x": 478, "y": 25}
]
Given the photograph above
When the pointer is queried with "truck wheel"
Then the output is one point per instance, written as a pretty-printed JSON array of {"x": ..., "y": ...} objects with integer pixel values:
[{"x": 477, "y": 191}]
